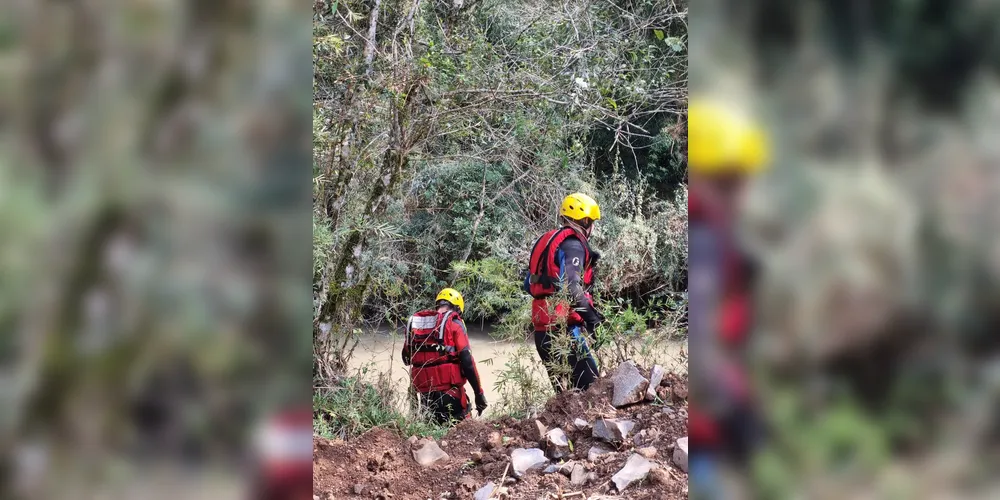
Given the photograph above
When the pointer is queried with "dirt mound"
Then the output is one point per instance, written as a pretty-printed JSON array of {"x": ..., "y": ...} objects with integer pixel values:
[{"x": 380, "y": 464}]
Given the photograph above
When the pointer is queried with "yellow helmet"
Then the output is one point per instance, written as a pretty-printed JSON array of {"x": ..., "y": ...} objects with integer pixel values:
[
  {"x": 579, "y": 206},
  {"x": 722, "y": 140},
  {"x": 452, "y": 296}
]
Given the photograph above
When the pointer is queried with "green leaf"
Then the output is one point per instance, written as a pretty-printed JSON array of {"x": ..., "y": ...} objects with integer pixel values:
[{"x": 659, "y": 34}]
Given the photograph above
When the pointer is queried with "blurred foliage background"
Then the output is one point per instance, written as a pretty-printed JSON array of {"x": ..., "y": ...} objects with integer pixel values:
[
  {"x": 153, "y": 199},
  {"x": 877, "y": 234},
  {"x": 447, "y": 133}
]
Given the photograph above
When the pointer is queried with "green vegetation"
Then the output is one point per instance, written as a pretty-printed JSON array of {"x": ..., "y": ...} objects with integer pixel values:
[{"x": 445, "y": 136}]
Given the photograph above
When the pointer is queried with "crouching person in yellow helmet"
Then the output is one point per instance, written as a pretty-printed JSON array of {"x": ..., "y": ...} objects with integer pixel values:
[
  {"x": 437, "y": 351},
  {"x": 562, "y": 261}
]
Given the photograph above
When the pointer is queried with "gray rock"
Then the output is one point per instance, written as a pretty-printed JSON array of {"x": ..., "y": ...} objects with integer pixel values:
[
  {"x": 630, "y": 385},
  {"x": 429, "y": 453},
  {"x": 612, "y": 430},
  {"x": 597, "y": 451},
  {"x": 551, "y": 469},
  {"x": 636, "y": 469},
  {"x": 541, "y": 431},
  {"x": 681, "y": 453},
  {"x": 567, "y": 468},
  {"x": 485, "y": 491},
  {"x": 578, "y": 477},
  {"x": 654, "y": 381},
  {"x": 556, "y": 444},
  {"x": 523, "y": 460},
  {"x": 581, "y": 423}
]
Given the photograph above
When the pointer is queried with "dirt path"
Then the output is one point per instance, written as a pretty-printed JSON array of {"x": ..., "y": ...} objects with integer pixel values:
[{"x": 381, "y": 462}]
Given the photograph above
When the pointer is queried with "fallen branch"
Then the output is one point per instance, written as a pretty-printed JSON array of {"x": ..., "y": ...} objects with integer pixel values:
[{"x": 500, "y": 485}]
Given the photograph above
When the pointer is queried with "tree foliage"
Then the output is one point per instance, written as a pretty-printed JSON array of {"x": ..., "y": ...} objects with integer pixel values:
[{"x": 446, "y": 133}]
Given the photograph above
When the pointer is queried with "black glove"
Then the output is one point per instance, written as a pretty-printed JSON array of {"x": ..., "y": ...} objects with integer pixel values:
[{"x": 480, "y": 403}]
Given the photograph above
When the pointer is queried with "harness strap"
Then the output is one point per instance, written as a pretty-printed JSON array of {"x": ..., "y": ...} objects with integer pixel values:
[
  {"x": 444, "y": 323},
  {"x": 434, "y": 348},
  {"x": 437, "y": 362}
]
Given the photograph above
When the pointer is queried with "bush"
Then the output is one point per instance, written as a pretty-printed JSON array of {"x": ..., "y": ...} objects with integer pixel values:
[{"x": 353, "y": 406}]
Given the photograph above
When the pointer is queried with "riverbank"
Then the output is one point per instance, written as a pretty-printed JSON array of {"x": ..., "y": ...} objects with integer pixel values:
[
  {"x": 378, "y": 352},
  {"x": 478, "y": 452}
]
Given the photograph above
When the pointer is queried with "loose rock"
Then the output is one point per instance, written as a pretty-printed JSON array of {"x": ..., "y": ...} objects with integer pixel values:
[
  {"x": 494, "y": 441},
  {"x": 655, "y": 376},
  {"x": 542, "y": 430},
  {"x": 581, "y": 423},
  {"x": 551, "y": 469},
  {"x": 429, "y": 453},
  {"x": 636, "y": 469},
  {"x": 523, "y": 460},
  {"x": 466, "y": 484},
  {"x": 412, "y": 440},
  {"x": 647, "y": 452},
  {"x": 612, "y": 430},
  {"x": 597, "y": 451},
  {"x": 659, "y": 475},
  {"x": 629, "y": 383},
  {"x": 556, "y": 444},
  {"x": 359, "y": 489},
  {"x": 485, "y": 491},
  {"x": 476, "y": 456},
  {"x": 579, "y": 476},
  {"x": 681, "y": 453}
]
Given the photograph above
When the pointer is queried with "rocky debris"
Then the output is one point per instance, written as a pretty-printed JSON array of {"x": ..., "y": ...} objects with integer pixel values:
[
  {"x": 466, "y": 485},
  {"x": 680, "y": 393},
  {"x": 444, "y": 443},
  {"x": 412, "y": 440},
  {"x": 567, "y": 468},
  {"x": 556, "y": 444},
  {"x": 523, "y": 460},
  {"x": 542, "y": 430},
  {"x": 629, "y": 385},
  {"x": 612, "y": 430},
  {"x": 659, "y": 475},
  {"x": 597, "y": 451},
  {"x": 655, "y": 376},
  {"x": 429, "y": 453},
  {"x": 581, "y": 424},
  {"x": 359, "y": 489},
  {"x": 647, "y": 452},
  {"x": 494, "y": 441},
  {"x": 578, "y": 477},
  {"x": 681, "y": 453},
  {"x": 636, "y": 469},
  {"x": 476, "y": 456},
  {"x": 645, "y": 437},
  {"x": 551, "y": 469},
  {"x": 485, "y": 492}
]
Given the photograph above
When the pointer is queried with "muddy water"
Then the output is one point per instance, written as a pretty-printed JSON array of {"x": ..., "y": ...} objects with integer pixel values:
[{"x": 380, "y": 350}]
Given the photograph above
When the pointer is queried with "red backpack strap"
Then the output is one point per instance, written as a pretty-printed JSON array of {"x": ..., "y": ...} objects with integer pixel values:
[{"x": 559, "y": 238}]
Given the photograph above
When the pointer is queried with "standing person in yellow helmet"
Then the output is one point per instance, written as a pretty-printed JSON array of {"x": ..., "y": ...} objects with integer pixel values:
[
  {"x": 726, "y": 148},
  {"x": 437, "y": 351},
  {"x": 562, "y": 261}
]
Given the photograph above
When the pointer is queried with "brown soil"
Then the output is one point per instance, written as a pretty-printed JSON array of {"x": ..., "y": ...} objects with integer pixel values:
[{"x": 380, "y": 462}]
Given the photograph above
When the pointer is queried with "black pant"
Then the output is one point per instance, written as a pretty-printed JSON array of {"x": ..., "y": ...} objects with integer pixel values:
[
  {"x": 443, "y": 406},
  {"x": 579, "y": 358}
]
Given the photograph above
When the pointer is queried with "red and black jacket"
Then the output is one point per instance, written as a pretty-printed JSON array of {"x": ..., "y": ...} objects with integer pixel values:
[
  {"x": 437, "y": 350},
  {"x": 550, "y": 268}
]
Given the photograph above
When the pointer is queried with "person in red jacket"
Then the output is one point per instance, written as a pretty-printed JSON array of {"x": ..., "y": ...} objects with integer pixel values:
[
  {"x": 725, "y": 149},
  {"x": 560, "y": 274},
  {"x": 437, "y": 351}
]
